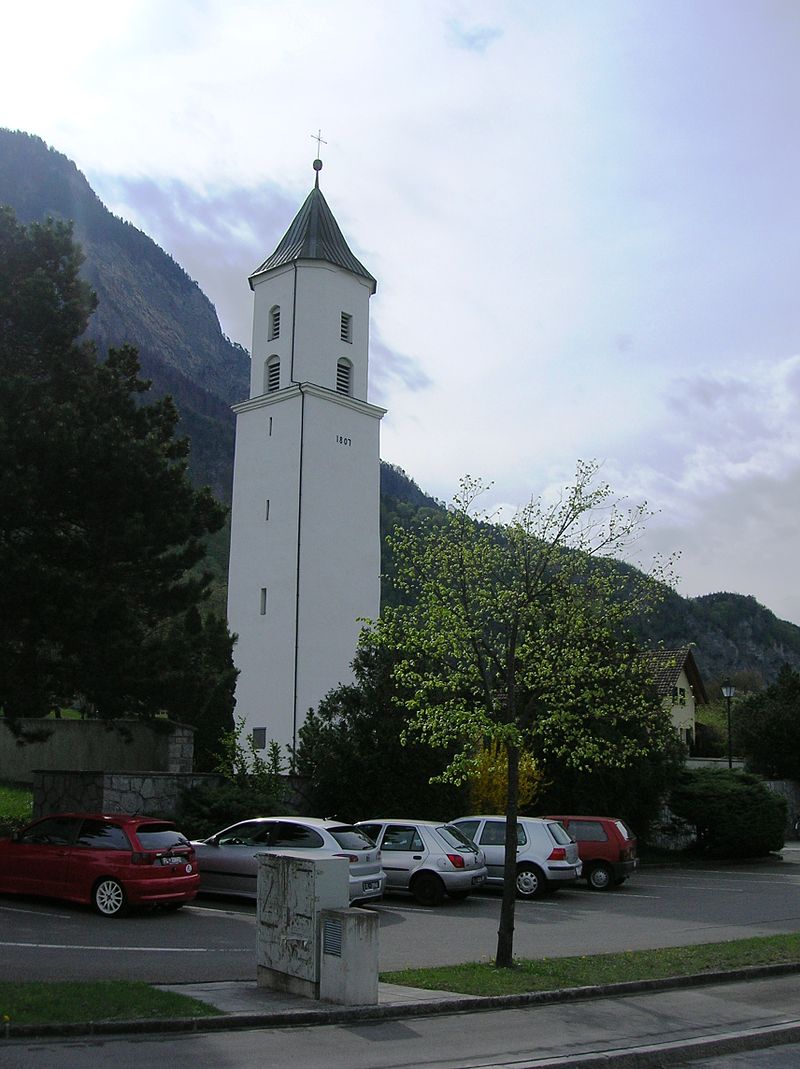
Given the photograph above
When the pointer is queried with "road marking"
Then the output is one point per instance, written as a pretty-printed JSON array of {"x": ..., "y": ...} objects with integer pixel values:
[
  {"x": 144, "y": 950},
  {"x": 402, "y": 909},
  {"x": 36, "y": 912},
  {"x": 220, "y": 912}
]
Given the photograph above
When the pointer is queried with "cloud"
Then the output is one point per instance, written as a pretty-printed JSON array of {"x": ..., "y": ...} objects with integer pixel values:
[
  {"x": 582, "y": 219},
  {"x": 219, "y": 236},
  {"x": 474, "y": 38}
]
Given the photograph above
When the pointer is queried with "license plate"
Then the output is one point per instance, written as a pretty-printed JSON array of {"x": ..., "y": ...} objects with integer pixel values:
[
  {"x": 370, "y": 885},
  {"x": 171, "y": 860}
]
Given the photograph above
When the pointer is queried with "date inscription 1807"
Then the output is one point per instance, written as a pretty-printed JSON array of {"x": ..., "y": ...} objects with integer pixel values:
[{"x": 341, "y": 440}]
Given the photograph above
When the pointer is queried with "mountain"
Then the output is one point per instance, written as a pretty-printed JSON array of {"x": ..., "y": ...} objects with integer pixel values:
[
  {"x": 149, "y": 300},
  {"x": 144, "y": 298},
  {"x": 733, "y": 636}
]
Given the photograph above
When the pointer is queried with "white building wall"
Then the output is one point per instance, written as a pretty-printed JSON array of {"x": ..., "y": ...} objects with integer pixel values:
[
  {"x": 682, "y": 708},
  {"x": 314, "y": 455},
  {"x": 264, "y": 556},
  {"x": 323, "y": 293},
  {"x": 340, "y": 540},
  {"x": 274, "y": 289}
]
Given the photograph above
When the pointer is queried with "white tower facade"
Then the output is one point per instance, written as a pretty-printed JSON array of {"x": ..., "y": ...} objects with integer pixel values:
[{"x": 305, "y": 539}]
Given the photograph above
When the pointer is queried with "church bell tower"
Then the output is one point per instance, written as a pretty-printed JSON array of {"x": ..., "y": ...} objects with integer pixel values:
[{"x": 305, "y": 540}]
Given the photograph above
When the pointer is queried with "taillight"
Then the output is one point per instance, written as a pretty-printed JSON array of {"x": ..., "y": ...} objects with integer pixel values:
[
  {"x": 558, "y": 853},
  {"x": 350, "y": 857},
  {"x": 456, "y": 860},
  {"x": 143, "y": 857},
  {"x": 626, "y": 854}
]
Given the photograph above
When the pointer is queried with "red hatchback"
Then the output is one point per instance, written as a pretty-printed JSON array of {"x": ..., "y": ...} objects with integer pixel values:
[
  {"x": 109, "y": 860},
  {"x": 607, "y": 849}
]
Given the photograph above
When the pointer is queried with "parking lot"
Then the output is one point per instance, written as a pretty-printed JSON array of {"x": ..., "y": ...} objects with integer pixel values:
[{"x": 214, "y": 938}]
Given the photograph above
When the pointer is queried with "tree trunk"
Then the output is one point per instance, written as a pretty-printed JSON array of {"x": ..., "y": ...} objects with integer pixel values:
[{"x": 504, "y": 958}]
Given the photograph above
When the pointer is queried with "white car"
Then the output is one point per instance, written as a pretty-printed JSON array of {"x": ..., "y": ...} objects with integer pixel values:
[
  {"x": 547, "y": 857},
  {"x": 428, "y": 858},
  {"x": 228, "y": 861}
]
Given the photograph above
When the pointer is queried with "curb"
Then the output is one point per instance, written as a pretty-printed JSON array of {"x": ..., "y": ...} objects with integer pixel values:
[{"x": 446, "y": 1006}]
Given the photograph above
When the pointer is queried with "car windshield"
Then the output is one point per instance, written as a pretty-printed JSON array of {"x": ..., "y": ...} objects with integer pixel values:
[
  {"x": 350, "y": 838},
  {"x": 455, "y": 837},
  {"x": 561, "y": 836},
  {"x": 160, "y": 837}
]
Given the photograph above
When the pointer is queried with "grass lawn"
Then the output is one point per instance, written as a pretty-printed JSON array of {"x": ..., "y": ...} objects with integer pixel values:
[
  {"x": 552, "y": 974},
  {"x": 16, "y": 805},
  {"x": 108, "y": 1000},
  {"x": 62, "y": 1003}
]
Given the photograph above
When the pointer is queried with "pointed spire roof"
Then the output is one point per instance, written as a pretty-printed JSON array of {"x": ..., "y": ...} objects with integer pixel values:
[{"x": 314, "y": 235}]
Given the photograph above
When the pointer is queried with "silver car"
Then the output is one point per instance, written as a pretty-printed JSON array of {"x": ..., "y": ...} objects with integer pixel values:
[
  {"x": 547, "y": 857},
  {"x": 228, "y": 861},
  {"x": 427, "y": 858}
]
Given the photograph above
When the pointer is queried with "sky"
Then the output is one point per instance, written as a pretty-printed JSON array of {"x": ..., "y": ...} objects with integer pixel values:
[{"x": 583, "y": 218}]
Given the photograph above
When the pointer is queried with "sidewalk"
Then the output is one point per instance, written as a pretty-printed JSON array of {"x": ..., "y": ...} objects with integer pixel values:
[
  {"x": 654, "y": 1023},
  {"x": 636, "y": 1025}
]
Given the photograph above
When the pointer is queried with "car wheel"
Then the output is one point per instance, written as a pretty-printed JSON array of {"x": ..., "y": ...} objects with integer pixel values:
[
  {"x": 428, "y": 889},
  {"x": 530, "y": 882},
  {"x": 108, "y": 898},
  {"x": 600, "y": 878}
]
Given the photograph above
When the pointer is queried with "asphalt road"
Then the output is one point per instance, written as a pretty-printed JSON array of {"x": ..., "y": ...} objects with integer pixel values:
[{"x": 214, "y": 939}]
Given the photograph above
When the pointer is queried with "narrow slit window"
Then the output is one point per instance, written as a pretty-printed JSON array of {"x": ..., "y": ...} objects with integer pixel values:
[
  {"x": 272, "y": 375},
  {"x": 266, "y": 511},
  {"x": 262, "y": 606},
  {"x": 347, "y": 327},
  {"x": 274, "y": 323},
  {"x": 344, "y": 377}
]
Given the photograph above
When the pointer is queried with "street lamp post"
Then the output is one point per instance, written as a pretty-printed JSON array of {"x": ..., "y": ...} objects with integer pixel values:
[{"x": 728, "y": 692}]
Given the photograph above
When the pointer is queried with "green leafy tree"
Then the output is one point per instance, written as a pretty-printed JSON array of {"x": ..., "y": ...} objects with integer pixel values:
[
  {"x": 355, "y": 760},
  {"x": 733, "y": 813},
  {"x": 101, "y": 532},
  {"x": 767, "y": 728},
  {"x": 514, "y": 634}
]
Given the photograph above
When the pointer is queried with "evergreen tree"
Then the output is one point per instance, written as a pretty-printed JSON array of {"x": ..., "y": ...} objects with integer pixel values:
[
  {"x": 767, "y": 728},
  {"x": 101, "y": 532},
  {"x": 356, "y": 760}
]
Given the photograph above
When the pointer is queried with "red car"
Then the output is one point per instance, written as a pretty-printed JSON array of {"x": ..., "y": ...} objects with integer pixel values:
[
  {"x": 109, "y": 860},
  {"x": 607, "y": 848}
]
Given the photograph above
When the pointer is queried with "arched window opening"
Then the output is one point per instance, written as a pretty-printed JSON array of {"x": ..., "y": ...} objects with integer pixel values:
[
  {"x": 274, "y": 330},
  {"x": 344, "y": 376},
  {"x": 272, "y": 375}
]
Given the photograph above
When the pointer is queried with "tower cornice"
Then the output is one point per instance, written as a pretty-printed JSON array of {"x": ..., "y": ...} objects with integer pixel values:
[{"x": 311, "y": 389}]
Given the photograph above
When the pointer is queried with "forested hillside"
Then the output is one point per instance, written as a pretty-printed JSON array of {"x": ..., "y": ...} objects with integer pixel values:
[
  {"x": 147, "y": 299},
  {"x": 144, "y": 298}
]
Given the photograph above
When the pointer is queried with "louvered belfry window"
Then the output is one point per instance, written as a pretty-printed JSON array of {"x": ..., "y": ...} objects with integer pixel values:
[
  {"x": 347, "y": 327},
  {"x": 274, "y": 323},
  {"x": 273, "y": 375},
  {"x": 344, "y": 374}
]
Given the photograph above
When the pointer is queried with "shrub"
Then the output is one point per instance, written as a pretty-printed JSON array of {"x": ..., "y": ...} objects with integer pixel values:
[
  {"x": 734, "y": 814},
  {"x": 207, "y": 809}
]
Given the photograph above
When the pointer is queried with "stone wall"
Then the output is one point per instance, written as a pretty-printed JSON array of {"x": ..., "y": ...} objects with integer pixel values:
[
  {"x": 156, "y": 794},
  {"x": 124, "y": 745}
]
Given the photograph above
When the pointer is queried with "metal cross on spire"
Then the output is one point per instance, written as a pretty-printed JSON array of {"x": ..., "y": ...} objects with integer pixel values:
[{"x": 319, "y": 140}]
